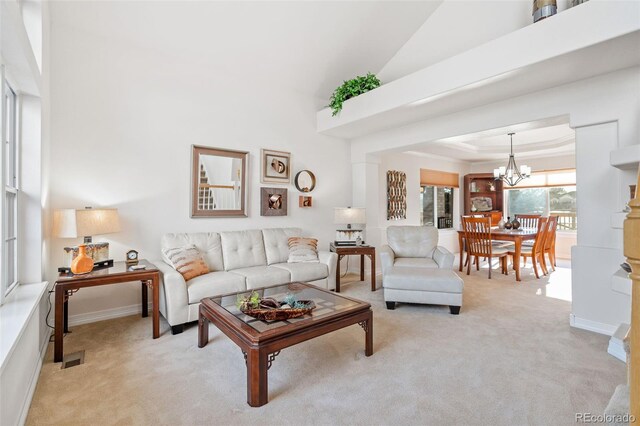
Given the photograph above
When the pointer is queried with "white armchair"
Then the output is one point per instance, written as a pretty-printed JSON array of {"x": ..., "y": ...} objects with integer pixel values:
[
  {"x": 416, "y": 247},
  {"x": 416, "y": 270}
]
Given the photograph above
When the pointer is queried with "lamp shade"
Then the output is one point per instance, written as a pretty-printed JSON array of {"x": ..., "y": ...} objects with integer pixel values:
[
  {"x": 72, "y": 223},
  {"x": 348, "y": 215}
]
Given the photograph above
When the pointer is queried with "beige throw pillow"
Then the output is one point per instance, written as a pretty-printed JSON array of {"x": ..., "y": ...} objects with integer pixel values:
[
  {"x": 187, "y": 260},
  {"x": 303, "y": 250}
]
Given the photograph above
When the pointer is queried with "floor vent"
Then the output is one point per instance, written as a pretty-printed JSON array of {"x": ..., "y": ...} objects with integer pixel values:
[{"x": 73, "y": 359}]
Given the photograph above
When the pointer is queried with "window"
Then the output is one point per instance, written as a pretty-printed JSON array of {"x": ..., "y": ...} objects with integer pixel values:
[
  {"x": 9, "y": 267},
  {"x": 437, "y": 206},
  {"x": 546, "y": 193}
]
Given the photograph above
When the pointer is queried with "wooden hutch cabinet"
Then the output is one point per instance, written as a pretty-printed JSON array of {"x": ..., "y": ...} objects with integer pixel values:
[{"x": 479, "y": 187}]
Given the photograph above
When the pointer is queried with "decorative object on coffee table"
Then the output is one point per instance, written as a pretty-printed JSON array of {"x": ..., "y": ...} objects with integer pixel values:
[
  {"x": 273, "y": 201},
  {"x": 275, "y": 166},
  {"x": 396, "y": 195},
  {"x": 218, "y": 182},
  {"x": 305, "y": 181},
  {"x": 270, "y": 309}
]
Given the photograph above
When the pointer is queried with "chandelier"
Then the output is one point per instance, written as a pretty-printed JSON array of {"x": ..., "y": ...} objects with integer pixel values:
[{"x": 511, "y": 175}]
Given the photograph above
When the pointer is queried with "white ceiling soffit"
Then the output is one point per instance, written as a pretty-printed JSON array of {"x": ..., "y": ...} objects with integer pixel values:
[
  {"x": 306, "y": 46},
  {"x": 529, "y": 141},
  {"x": 594, "y": 38}
]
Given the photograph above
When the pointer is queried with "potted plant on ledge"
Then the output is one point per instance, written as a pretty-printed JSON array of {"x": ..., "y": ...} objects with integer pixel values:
[{"x": 352, "y": 88}]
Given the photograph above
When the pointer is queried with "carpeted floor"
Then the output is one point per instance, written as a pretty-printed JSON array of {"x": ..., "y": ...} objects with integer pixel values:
[{"x": 509, "y": 358}]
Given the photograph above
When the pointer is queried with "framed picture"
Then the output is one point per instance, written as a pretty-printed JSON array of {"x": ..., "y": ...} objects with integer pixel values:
[
  {"x": 275, "y": 166},
  {"x": 273, "y": 201},
  {"x": 218, "y": 182}
]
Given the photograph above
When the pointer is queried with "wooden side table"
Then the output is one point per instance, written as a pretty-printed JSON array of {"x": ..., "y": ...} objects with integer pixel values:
[
  {"x": 363, "y": 251},
  {"x": 120, "y": 272}
]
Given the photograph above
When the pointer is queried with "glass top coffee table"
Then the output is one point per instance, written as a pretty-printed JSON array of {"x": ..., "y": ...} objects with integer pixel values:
[{"x": 261, "y": 341}]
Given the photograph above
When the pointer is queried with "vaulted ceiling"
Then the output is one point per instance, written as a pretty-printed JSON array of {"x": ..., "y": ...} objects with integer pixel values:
[{"x": 309, "y": 47}]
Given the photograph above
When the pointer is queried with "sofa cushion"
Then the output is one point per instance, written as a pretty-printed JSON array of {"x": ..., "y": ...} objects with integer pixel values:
[
  {"x": 303, "y": 250},
  {"x": 421, "y": 279},
  {"x": 263, "y": 276},
  {"x": 415, "y": 262},
  {"x": 242, "y": 249},
  {"x": 187, "y": 260},
  {"x": 214, "y": 284},
  {"x": 276, "y": 243},
  {"x": 306, "y": 271},
  {"x": 412, "y": 241},
  {"x": 207, "y": 243}
]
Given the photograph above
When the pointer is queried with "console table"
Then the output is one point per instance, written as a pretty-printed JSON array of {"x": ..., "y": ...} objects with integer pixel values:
[
  {"x": 363, "y": 251},
  {"x": 120, "y": 272}
]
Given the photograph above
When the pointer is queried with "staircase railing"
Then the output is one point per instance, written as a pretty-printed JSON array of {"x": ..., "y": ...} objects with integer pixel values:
[{"x": 632, "y": 252}]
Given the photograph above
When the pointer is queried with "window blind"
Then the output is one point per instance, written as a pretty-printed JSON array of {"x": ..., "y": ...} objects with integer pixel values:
[
  {"x": 549, "y": 178},
  {"x": 430, "y": 177}
]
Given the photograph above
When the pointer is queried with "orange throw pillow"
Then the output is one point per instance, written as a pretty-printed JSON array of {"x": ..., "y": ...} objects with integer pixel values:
[{"x": 187, "y": 260}]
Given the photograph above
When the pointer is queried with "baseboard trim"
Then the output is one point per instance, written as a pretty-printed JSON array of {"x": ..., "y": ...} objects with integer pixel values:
[
  {"x": 596, "y": 327},
  {"x": 617, "y": 351},
  {"x": 107, "y": 314},
  {"x": 33, "y": 383}
]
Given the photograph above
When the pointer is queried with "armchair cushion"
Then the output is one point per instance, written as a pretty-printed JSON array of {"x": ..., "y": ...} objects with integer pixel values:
[
  {"x": 412, "y": 241},
  {"x": 415, "y": 262}
]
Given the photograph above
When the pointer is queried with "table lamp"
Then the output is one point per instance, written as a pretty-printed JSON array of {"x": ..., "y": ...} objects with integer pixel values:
[
  {"x": 348, "y": 216},
  {"x": 87, "y": 222}
]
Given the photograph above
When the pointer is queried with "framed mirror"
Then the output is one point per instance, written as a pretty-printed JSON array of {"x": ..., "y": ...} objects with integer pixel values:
[
  {"x": 305, "y": 181},
  {"x": 218, "y": 182}
]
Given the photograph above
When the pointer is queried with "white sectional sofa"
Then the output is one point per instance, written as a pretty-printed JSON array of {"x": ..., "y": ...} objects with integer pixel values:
[{"x": 240, "y": 260}]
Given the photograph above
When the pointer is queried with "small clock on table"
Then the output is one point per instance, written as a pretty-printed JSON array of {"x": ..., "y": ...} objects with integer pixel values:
[{"x": 132, "y": 257}]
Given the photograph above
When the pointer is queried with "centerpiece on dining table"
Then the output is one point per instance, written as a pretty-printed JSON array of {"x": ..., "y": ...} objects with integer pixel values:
[{"x": 270, "y": 309}]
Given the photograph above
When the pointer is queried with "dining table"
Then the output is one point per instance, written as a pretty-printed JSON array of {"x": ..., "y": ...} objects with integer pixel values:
[{"x": 517, "y": 236}]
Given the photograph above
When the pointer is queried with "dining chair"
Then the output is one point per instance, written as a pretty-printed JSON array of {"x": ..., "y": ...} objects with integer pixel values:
[
  {"x": 528, "y": 220},
  {"x": 477, "y": 234},
  {"x": 464, "y": 241},
  {"x": 535, "y": 251},
  {"x": 550, "y": 243}
]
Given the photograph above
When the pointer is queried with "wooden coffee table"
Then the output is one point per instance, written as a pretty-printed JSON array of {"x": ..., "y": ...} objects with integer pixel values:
[{"x": 261, "y": 341}]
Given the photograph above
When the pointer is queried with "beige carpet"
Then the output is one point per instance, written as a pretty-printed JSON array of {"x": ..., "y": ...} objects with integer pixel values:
[{"x": 509, "y": 358}]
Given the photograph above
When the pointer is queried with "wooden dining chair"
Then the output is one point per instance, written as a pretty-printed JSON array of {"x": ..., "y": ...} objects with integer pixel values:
[
  {"x": 477, "y": 234},
  {"x": 528, "y": 220},
  {"x": 535, "y": 251},
  {"x": 464, "y": 241},
  {"x": 550, "y": 244}
]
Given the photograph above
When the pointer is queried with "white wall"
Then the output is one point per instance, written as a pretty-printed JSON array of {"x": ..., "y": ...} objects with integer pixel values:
[
  {"x": 123, "y": 121},
  {"x": 411, "y": 165}
]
